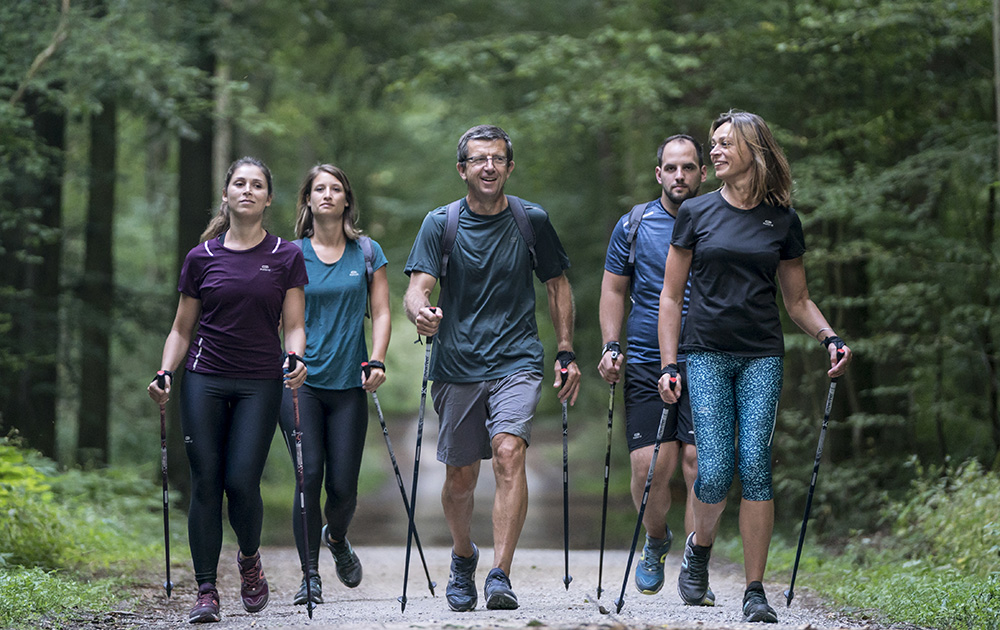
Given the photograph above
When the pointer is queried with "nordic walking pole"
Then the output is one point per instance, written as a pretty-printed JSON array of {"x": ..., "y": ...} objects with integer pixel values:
[
  {"x": 416, "y": 468},
  {"x": 567, "y": 578},
  {"x": 161, "y": 381},
  {"x": 790, "y": 593},
  {"x": 399, "y": 479},
  {"x": 645, "y": 495},
  {"x": 292, "y": 358},
  {"x": 607, "y": 469}
]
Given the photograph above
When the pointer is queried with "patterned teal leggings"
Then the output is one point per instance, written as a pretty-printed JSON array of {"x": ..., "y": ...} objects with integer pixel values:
[{"x": 730, "y": 393}]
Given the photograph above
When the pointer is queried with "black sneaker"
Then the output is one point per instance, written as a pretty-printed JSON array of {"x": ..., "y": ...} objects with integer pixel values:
[
  {"x": 206, "y": 608},
  {"x": 692, "y": 581},
  {"x": 253, "y": 585},
  {"x": 315, "y": 591},
  {"x": 348, "y": 564},
  {"x": 461, "y": 591},
  {"x": 755, "y": 607},
  {"x": 499, "y": 595}
]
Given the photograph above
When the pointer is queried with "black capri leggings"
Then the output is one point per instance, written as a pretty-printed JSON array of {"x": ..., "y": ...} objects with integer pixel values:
[
  {"x": 228, "y": 427},
  {"x": 334, "y": 423}
]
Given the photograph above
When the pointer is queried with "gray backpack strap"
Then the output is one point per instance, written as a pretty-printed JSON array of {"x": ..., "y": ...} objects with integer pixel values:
[
  {"x": 634, "y": 219},
  {"x": 449, "y": 234},
  {"x": 523, "y": 225},
  {"x": 366, "y": 249},
  {"x": 298, "y": 243}
]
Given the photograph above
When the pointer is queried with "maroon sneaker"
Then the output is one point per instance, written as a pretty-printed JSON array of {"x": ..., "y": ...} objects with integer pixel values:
[
  {"x": 253, "y": 584},
  {"x": 206, "y": 609}
]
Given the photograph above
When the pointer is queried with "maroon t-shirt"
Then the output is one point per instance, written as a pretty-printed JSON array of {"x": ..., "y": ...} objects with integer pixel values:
[{"x": 241, "y": 295}]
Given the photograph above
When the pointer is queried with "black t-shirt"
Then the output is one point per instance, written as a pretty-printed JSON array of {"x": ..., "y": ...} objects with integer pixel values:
[{"x": 735, "y": 259}]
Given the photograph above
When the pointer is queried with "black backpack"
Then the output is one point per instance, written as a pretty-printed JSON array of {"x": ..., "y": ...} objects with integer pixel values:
[
  {"x": 451, "y": 230},
  {"x": 366, "y": 248}
]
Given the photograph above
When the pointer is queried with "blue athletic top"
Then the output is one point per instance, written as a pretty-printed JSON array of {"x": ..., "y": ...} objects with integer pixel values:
[
  {"x": 651, "y": 244},
  {"x": 336, "y": 299},
  {"x": 488, "y": 296}
]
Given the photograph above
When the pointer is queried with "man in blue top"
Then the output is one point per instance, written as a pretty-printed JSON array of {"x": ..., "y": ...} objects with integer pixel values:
[
  {"x": 487, "y": 362},
  {"x": 680, "y": 171}
]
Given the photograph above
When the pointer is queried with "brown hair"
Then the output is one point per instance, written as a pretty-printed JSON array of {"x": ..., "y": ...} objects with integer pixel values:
[
  {"x": 771, "y": 177},
  {"x": 220, "y": 222},
  {"x": 304, "y": 216}
]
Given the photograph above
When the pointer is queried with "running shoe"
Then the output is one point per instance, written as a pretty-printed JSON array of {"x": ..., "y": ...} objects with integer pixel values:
[
  {"x": 499, "y": 595},
  {"x": 253, "y": 584},
  {"x": 348, "y": 564},
  {"x": 755, "y": 606},
  {"x": 461, "y": 591},
  {"x": 649, "y": 570},
  {"x": 692, "y": 581},
  {"x": 315, "y": 590},
  {"x": 206, "y": 608}
]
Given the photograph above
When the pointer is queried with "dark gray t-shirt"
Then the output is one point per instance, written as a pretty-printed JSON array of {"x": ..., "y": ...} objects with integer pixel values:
[
  {"x": 488, "y": 295},
  {"x": 735, "y": 259}
]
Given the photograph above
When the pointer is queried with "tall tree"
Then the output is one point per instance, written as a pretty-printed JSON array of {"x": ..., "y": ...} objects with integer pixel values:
[{"x": 97, "y": 290}]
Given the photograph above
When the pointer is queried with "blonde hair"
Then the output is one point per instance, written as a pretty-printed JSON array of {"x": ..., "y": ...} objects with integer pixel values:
[
  {"x": 771, "y": 177},
  {"x": 220, "y": 222},
  {"x": 304, "y": 216}
]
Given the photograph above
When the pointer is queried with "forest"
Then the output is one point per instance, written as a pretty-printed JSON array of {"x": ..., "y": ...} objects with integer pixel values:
[{"x": 118, "y": 119}]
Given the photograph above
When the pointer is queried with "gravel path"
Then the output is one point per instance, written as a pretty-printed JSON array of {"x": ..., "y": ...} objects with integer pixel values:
[{"x": 537, "y": 579}]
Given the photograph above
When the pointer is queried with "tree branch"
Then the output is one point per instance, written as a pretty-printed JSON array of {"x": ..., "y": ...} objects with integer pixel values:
[{"x": 62, "y": 31}]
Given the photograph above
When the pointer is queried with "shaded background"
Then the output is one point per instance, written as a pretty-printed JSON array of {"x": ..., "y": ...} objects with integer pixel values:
[{"x": 118, "y": 119}]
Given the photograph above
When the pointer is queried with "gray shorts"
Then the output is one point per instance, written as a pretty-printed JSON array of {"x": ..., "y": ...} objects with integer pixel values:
[{"x": 471, "y": 414}]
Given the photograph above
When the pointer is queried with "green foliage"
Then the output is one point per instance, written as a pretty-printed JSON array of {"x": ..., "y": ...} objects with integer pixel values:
[
  {"x": 27, "y": 595},
  {"x": 951, "y": 518},
  {"x": 938, "y": 567}
]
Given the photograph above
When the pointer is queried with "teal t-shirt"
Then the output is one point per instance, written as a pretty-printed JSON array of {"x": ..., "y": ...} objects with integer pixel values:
[
  {"x": 488, "y": 295},
  {"x": 336, "y": 299}
]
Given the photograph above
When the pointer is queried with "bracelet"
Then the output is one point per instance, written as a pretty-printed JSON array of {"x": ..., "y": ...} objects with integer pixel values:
[
  {"x": 374, "y": 363},
  {"x": 613, "y": 346},
  {"x": 821, "y": 330},
  {"x": 565, "y": 357}
]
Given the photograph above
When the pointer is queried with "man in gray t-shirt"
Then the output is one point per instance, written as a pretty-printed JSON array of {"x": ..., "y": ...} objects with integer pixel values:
[{"x": 487, "y": 362}]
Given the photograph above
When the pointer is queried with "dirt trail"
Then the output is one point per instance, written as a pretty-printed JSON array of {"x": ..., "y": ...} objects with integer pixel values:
[{"x": 537, "y": 578}]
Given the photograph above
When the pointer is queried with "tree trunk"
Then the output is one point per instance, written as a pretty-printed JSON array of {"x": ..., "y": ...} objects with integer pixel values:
[
  {"x": 32, "y": 262},
  {"x": 97, "y": 292}
]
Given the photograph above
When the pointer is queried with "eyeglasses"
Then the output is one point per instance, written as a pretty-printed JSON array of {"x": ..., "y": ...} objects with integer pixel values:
[{"x": 481, "y": 160}]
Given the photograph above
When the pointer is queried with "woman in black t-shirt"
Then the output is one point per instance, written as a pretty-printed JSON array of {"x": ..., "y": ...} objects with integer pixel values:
[{"x": 739, "y": 244}]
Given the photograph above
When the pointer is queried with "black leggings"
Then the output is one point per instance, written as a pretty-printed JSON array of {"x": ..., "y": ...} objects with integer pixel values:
[
  {"x": 333, "y": 423},
  {"x": 228, "y": 427}
]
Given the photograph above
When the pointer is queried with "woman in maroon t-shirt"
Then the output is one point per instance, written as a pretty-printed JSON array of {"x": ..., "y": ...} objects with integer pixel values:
[{"x": 236, "y": 286}]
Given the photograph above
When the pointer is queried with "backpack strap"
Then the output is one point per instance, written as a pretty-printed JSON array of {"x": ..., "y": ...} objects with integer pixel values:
[
  {"x": 366, "y": 248},
  {"x": 449, "y": 234},
  {"x": 523, "y": 225},
  {"x": 634, "y": 219}
]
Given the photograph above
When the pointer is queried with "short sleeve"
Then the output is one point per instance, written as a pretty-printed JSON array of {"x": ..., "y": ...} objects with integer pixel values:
[
  {"x": 795, "y": 242},
  {"x": 297, "y": 274},
  {"x": 551, "y": 257},
  {"x": 378, "y": 256},
  {"x": 425, "y": 256},
  {"x": 191, "y": 274},
  {"x": 616, "y": 261},
  {"x": 684, "y": 233}
]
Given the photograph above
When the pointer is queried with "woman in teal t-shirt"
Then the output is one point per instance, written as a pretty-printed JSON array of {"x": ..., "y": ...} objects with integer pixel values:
[{"x": 333, "y": 405}]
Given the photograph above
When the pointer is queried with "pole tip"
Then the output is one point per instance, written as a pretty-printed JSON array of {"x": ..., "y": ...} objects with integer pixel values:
[
  {"x": 618, "y": 605},
  {"x": 788, "y": 596}
]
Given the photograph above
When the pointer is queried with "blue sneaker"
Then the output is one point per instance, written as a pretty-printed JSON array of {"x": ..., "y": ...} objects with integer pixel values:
[
  {"x": 461, "y": 591},
  {"x": 649, "y": 570},
  {"x": 499, "y": 595}
]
